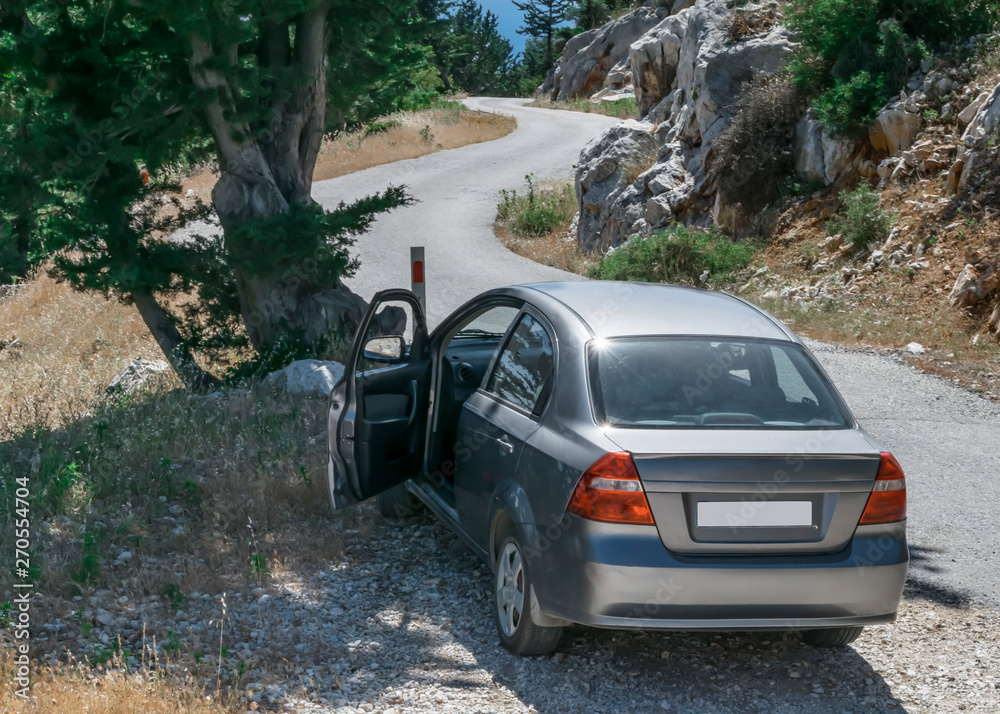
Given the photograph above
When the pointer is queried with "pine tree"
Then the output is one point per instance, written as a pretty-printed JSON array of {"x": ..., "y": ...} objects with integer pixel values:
[
  {"x": 107, "y": 90},
  {"x": 541, "y": 18},
  {"x": 483, "y": 59}
]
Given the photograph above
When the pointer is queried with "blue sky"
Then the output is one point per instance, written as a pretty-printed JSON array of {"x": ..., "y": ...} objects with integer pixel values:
[{"x": 510, "y": 20}]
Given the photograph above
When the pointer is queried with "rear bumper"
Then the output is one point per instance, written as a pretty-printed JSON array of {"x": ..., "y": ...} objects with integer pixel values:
[{"x": 615, "y": 576}]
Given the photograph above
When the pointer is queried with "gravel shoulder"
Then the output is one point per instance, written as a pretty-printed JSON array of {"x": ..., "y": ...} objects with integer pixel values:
[
  {"x": 397, "y": 618},
  {"x": 948, "y": 442}
]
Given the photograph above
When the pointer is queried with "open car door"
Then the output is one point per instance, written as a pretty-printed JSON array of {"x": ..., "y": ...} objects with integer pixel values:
[{"x": 378, "y": 411}]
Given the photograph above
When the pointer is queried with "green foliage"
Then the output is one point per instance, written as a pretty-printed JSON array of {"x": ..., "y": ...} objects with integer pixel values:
[
  {"x": 588, "y": 14},
  {"x": 676, "y": 255},
  {"x": 289, "y": 347},
  {"x": 173, "y": 596},
  {"x": 754, "y": 155},
  {"x": 862, "y": 221},
  {"x": 854, "y": 56},
  {"x": 539, "y": 211},
  {"x": 541, "y": 21}
]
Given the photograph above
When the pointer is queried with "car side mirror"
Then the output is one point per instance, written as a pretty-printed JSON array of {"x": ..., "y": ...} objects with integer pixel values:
[{"x": 389, "y": 350}]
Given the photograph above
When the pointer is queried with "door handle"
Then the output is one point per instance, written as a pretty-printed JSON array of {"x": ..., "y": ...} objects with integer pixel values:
[{"x": 505, "y": 446}]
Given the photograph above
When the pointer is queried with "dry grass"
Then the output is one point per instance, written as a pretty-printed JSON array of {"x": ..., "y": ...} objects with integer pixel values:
[
  {"x": 407, "y": 135},
  {"x": 557, "y": 247},
  {"x": 70, "y": 347},
  {"x": 108, "y": 691},
  {"x": 621, "y": 109},
  {"x": 176, "y": 480},
  {"x": 750, "y": 23}
]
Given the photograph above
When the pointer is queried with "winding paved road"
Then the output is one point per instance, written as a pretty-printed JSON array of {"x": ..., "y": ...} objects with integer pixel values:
[
  {"x": 458, "y": 192},
  {"x": 947, "y": 439}
]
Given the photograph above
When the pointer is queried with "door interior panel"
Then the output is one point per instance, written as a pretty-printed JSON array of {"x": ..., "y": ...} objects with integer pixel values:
[
  {"x": 391, "y": 426},
  {"x": 386, "y": 407}
]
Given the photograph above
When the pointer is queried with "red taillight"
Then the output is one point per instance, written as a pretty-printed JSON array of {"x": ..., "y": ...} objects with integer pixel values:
[
  {"x": 887, "y": 504},
  {"x": 610, "y": 491}
]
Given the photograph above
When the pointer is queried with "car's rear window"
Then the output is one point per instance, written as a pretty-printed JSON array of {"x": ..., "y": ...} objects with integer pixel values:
[{"x": 706, "y": 383}]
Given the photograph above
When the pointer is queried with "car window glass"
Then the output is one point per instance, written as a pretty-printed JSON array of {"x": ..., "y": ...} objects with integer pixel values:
[
  {"x": 494, "y": 322},
  {"x": 665, "y": 382},
  {"x": 790, "y": 380},
  {"x": 524, "y": 367}
]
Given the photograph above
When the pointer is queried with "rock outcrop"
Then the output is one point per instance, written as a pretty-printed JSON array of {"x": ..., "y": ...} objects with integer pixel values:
[
  {"x": 688, "y": 75},
  {"x": 599, "y": 59},
  {"x": 308, "y": 377},
  {"x": 135, "y": 376}
]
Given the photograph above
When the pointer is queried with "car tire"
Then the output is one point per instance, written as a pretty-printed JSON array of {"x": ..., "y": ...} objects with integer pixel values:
[
  {"x": 512, "y": 604},
  {"x": 831, "y": 636},
  {"x": 398, "y": 503}
]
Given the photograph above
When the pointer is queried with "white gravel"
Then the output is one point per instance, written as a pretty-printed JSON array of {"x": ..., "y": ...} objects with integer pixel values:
[{"x": 401, "y": 621}]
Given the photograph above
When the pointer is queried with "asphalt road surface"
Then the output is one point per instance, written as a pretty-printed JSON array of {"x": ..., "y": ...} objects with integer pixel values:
[
  {"x": 458, "y": 191},
  {"x": 947, "y": 439}
]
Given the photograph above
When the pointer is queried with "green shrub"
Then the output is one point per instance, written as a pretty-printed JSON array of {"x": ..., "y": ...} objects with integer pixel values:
[
  {"x": 753, "y": 156},
  {"x": 853, "y": 56},
  {"x": 863, "y": 221},
  {"x": 676, "y": 255},
  {"x": 539, "y": 211}
]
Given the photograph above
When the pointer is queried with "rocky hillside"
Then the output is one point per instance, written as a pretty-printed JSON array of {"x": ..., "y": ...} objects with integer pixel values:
[{"x": 930, "y": 152}]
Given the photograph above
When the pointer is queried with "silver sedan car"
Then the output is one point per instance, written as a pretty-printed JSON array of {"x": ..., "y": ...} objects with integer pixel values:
[{"x": 626, "y": 456}]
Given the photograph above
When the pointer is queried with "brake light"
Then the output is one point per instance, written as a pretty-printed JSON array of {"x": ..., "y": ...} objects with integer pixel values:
[
  {"x": 887, "y": 504},
  {"x": 610, "y": 491}
]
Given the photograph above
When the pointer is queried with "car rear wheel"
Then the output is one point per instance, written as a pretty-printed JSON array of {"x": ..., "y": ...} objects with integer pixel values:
[
  {"x": 398, "y": 503},
  {"x": 832, "y": 637},
  {"x": 518, "y": 633}
]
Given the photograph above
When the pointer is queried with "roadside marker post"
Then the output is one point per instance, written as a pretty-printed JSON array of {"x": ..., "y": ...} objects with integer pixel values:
[{"x": 417, "y": 276}]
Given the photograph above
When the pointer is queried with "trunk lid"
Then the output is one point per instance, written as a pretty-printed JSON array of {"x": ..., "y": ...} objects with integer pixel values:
[{"x": 753, "y": 492}]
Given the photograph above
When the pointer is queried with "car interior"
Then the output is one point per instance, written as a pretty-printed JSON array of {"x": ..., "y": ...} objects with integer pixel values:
[{"x": 464, "y": 355}]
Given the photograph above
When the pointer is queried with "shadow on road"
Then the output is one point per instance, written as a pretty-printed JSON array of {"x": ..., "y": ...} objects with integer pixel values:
[
  {"x": 427, "y": 603},
  {"x": 921, "y": 583}
]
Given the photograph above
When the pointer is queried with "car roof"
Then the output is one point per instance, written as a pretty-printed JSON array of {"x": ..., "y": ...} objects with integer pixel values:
[{"x": 619, "y": 309}]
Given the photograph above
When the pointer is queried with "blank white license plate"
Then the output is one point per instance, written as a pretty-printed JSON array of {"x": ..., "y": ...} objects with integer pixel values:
[{"x": 747, "y": 514}]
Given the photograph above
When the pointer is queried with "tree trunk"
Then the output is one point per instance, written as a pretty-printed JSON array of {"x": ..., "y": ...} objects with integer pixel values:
[
  {"x": 164, "y": 331},
  {"x": 263, "y": 173}
]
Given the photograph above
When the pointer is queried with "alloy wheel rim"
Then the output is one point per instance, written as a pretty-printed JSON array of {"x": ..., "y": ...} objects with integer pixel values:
[{"x": 510, "y": 589}]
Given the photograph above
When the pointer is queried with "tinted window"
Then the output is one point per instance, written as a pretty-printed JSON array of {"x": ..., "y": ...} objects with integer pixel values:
[
  {"x": 524, "y": 367},
  {"x": 667, "y": 382}
]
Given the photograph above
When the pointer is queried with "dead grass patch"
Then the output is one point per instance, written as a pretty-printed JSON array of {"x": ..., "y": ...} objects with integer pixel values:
[
  {"x": 407, "y": 135},
  {"x": 70, "y": 347},
  {"x": 621, "y": 109},
  {"x": 750, "y": 22},
  {"x": 108, "y": 690}
]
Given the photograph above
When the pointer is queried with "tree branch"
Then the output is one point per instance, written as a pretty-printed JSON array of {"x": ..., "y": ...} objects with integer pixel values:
[{"x": 161, "y": 326}]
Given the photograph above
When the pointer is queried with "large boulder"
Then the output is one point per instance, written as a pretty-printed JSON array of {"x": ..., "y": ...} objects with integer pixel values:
[
  {"x": 894, "y": 129},
  {"x": 136, "y": 375},
  {"x": 590, "y": 57},
  {"x": 984, "y": 122},
  {"x": 608, "y": 165},
  {"x": 653, "y": 61},
  {"x": 820, "y": 157},
  {"x": 688, "y": 76},
  {"x": 307, "y": 378}
]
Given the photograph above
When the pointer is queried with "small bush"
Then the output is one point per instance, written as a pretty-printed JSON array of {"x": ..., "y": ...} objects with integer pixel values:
[
  {"x": 854, "y": 56},
  {"x": 676, "y": 255},
  {"x": 752, "y": 157},
  {"x": 863, "y": 221},
  {"x": 539, "y": 211}
]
